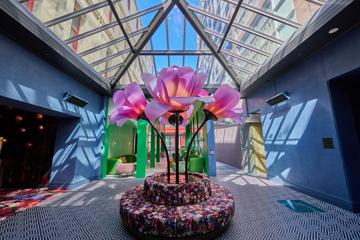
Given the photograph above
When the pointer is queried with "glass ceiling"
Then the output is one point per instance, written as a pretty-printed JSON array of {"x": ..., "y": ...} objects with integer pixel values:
[{"x": 120, "y": 39}]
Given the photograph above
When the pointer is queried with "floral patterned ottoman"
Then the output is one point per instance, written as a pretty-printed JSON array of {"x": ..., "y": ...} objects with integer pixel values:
[
  {"x": 158, "y": 191},
  {"x": 149, "y": 218}
]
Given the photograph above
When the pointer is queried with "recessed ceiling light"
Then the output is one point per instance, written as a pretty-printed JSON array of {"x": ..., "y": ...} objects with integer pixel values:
[
  {"x": 18, "y": 118},
  {"x": 333, "y": 30}
]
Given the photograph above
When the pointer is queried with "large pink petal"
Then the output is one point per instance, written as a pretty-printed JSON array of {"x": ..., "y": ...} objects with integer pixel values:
[
  {"x": 122, "y": 112},
  {"x": 136, "y": 97},
  {"x": 199, "y": 80},
  {"x": 170, "y": 79},
  {"x": 185, "y": 122},
  {"x": 225, "y": 98},
  {"x": 186, "y": 76},
  {"x": 230, "y": 114},
  {"x": 163, "y": 120},
  {"x": 182, "y": 89},
  {"x": 155, "y": 109},
  {"x": 162, "y": 91},
  {"x": 203, "y": 93},
  {"x": 121, "y": 122},
  {"x": 238, "y": 110},
  {"x": 119, "y": 98},
  {"x": 150, "y": 82}
]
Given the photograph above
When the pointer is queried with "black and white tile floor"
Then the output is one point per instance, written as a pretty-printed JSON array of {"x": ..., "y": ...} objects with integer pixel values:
[{"x": 92, "y": 212}]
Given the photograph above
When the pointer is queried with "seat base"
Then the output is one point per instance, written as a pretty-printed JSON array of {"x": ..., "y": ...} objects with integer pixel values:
[{"x": 146, "y": 218}]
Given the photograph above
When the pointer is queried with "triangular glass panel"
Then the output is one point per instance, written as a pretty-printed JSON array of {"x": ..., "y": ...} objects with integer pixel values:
[
  {"x": 142, "y": 64},
  {"x": 215, "y": 71},
  {"x": 176, "y": 33},
  {"x": 214, "y": 16}
]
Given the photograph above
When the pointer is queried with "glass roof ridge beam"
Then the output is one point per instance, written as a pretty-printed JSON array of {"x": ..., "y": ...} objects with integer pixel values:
[
  {"x": 238, "y": 26},
  {"x": 120, "y": 24},
  {"x": 154, "y": 25},
  {"x": 175, "y": 52},
  {"x": 113, "y": 24},
  {"x": 237, "y": 8},
  {"x": 267, "y": 14},
  {"x": 78, "y": 13},
  {"x": 112, "y": 42},
  {"x": 240, "y": 44},
  {"x": 196, "y": 24}
]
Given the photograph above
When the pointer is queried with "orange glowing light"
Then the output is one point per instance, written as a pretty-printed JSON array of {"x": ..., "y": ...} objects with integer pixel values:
[
  {"x": 18, "y": 118},
  {"x": 39, "y": 116}
]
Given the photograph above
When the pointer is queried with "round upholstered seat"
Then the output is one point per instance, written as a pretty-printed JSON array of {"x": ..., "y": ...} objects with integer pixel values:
[
  {"x": 158, "y": 191},
  {"x": 158, "y": 220}
]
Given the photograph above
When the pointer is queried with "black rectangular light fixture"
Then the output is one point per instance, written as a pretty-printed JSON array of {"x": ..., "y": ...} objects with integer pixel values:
[
  {"x": 69, "y": 97},
  {"x": 278, "y": 98}
]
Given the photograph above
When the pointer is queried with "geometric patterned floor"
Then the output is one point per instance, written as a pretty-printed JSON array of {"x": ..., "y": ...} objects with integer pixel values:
[{"x": 92, "y": 212}]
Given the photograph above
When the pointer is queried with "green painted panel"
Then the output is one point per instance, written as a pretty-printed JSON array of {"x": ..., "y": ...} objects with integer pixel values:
[
  {"x": 162, "y": 145},
  {"x": 205, "y": 149},
  {"x": 157, "y": 148},
  {"x": 121, "y": 140},
  {"x": 152, "y": 149},
  {"x": 142, "y": 150},
  {"x": 188, "y": 134}
]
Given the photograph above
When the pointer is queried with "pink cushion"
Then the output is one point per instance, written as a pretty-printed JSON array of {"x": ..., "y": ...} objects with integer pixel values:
[{"x": 125, "y": 167}]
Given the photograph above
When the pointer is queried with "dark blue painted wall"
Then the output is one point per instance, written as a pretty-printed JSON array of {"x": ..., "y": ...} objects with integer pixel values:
[
  {"x": 35, "y": 85},
  {"x": 293, "y": 131}
]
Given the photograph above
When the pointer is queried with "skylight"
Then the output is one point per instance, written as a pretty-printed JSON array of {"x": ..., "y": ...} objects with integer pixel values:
[{"x": 228, "y": 39}]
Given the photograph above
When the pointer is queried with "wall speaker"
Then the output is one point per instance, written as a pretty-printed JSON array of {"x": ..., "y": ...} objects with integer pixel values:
[
  {"x": 278, "y": 98},
  {"x": 68, "y": 97}
]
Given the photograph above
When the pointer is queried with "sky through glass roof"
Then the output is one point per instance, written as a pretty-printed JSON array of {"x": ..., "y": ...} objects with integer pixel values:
[{"x": 120, "y": 39}]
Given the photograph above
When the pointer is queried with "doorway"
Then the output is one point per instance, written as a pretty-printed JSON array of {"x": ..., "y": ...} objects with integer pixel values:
[
  {"x": 27, "y": 146},
  {"x": 344, "y": 92},
  {"x": 254, "y": 159}
]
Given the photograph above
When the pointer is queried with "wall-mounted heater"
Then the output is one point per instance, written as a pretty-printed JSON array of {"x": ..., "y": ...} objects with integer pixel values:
[
  {"x": 68, "y": 97},
  {"x": 278, "y": 98}
]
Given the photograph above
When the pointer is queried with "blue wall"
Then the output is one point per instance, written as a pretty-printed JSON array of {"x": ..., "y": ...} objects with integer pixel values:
[
  {"x": 32, "y": 84},
  {"x": 293, "y": 131}
]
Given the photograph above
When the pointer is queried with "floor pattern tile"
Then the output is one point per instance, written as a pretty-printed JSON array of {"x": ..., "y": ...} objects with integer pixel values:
[{"x": 92, "y": 212}]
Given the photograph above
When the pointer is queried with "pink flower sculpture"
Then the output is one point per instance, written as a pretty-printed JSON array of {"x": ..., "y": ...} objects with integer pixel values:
[
  {"x": 226, "y": 104},
  {"x": 174, "y": 90},
  {"x": 130, "y": 104}
]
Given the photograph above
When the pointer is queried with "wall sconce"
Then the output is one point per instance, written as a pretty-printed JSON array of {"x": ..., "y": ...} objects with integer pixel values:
[{"x": 278, "y": 98}]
